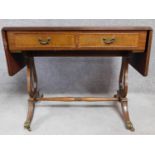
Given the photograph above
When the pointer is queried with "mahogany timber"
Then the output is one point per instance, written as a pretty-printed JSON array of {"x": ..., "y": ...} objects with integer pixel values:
[
  {"x": 76, "y": 40},
  {"x": 139, "y": 52}
]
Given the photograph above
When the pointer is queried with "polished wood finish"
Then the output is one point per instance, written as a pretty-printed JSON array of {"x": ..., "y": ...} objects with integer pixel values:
[
  {"x": 35, "y": 96},
  {"x": 139, "y": 58},
  {"x": 80, "y": 28},
  {"x": 75, "y": 40},
  {"x": 15, "y": 62},
  {"x": 22, "y": 44},
  {"x": 73, "y": 99},
  {"x": 141, "y": 61},
  {"x": 122, "y": 40},
  {"x": 31, "y": 40},
  {"x": 32, "y": 88},
  {"x": 122, "y": 93}
]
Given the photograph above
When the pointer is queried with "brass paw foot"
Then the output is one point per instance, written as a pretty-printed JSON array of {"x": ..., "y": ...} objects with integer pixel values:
[
  {"x": 27, "y": 125},
  {"x": 129, "y": 126}
]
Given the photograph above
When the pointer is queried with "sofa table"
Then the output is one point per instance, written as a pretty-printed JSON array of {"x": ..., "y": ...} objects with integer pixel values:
[{"x": 22, "y": 44}]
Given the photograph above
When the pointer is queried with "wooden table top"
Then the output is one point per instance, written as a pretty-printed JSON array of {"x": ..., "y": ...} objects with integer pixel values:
[
  {"x": 140, "y": 61},
  {"x": 79, "y": 28}
]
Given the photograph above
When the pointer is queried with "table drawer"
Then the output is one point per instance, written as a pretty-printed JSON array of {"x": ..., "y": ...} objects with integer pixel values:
[
  {"x": 114, "y": 40},
  {"x": 75, "y": 40},
  {"x": 40, "y": 40}
]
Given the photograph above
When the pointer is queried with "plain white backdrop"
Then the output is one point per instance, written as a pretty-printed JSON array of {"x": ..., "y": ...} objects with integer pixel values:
[
  {"x": 71, "y": 9},
  {"x": 77, "y": 9}
]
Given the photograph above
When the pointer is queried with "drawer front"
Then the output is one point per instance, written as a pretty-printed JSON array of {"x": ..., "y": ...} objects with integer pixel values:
[
  {"x": 75, "y": 40},
  {"x": 40, "y": 40},
  {"x": 114, "y": 40}
]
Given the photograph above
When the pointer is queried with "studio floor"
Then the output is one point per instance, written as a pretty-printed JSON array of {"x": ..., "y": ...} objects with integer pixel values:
[{"x": 76, "y": 118}]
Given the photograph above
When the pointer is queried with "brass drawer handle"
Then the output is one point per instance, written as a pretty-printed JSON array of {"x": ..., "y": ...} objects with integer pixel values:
[
  {"x": 44, "y": 41},
  {"x": 109, "y": 40}
]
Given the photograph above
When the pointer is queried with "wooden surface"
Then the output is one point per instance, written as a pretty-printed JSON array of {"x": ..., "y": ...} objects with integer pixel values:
[
  {"x": 34, "y": 94},
  {"x": 31, "y": 40},
  {"x": 79, "y": 28},
  {"x": 133, "y": 44},
  {"x": 123, "y": 40},
  {"x": 77, "y": 41},
  {"x": 141, "y": 61},
  {"x": 15, "y": 62}
]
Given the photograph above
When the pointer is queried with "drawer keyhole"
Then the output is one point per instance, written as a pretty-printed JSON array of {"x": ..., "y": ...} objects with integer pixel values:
[{"x": 44, "y": 41}]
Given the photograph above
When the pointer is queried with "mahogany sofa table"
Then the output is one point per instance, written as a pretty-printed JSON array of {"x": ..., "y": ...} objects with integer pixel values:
[{"x": 22, "y": 44}]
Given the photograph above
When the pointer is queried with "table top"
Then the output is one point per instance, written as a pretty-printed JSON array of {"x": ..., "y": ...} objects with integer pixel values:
[
  {"x": 140, "y": 61},
  {"x": 78, "y": 28}
]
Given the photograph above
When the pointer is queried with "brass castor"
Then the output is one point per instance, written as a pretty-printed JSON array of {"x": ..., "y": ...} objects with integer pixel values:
[
  {"x": 129, "y": 126},
  {"x": 27, "y": 125}
]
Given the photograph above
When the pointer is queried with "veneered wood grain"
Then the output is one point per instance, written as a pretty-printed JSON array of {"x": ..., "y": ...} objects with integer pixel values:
[
  {"x": 15, "y": 62},
  {"x": 30, "y": 40},
  {"x": 123, "y": 40},
  {"x": 139, "y": 60},
  {"x": 80, "y": 28}
]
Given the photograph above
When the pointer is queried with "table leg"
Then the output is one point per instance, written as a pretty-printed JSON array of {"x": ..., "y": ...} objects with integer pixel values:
[
  {"x": 122, "y": 92},
  {"x": 32, "y": 87},
  {"x": 35, "y": 96}
]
